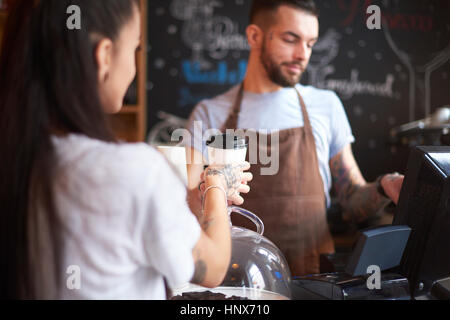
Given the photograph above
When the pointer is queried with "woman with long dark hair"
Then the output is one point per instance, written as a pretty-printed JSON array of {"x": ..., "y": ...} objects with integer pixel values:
[{"x": 82, "y": 215}]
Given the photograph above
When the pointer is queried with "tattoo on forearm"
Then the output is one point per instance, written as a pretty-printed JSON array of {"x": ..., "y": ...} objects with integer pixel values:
[
  {"x": 358, "y": 199},
  {"x": 206, "y": 224},
  {"x": 200, "y": 272},
  {"x": 343, "y": 177},
  {"x": 365, "y": 202}
]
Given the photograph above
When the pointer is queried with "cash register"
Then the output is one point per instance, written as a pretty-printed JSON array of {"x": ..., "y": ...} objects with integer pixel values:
[{"x": 412, "y": 254}]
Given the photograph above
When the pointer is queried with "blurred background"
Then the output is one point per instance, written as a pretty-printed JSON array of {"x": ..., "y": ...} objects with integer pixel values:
[
  {"x": 196, "y": 49},
  {"x": 394, "y": 83},
  {"x": 385, "y": 78}
]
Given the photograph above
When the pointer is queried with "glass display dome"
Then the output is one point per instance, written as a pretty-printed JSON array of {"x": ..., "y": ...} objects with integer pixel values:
[{"x": 257, "y": 270}]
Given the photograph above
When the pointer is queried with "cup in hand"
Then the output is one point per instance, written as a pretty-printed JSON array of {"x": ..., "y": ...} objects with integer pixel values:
[{"x": 226, "y": 149}]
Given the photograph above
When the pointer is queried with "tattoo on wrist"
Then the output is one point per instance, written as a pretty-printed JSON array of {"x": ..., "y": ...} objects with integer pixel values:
[
  {"x": 364, "y": 203},
  {"x": 214, "y": 172},
  {"x": 232, "y": 176}
]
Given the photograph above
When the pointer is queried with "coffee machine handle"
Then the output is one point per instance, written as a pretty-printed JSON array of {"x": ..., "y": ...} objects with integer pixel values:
[{"x": 249, "y": 215}]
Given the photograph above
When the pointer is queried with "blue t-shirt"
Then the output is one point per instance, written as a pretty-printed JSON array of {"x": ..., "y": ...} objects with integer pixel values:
[{"x": 281, "y": 110}]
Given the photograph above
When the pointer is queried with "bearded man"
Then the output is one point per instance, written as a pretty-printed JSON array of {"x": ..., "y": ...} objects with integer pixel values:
[{"x": 315, "y": 137}]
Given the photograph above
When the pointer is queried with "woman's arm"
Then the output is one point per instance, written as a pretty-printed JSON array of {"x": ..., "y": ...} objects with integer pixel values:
[
  {"x": 194, "y": 171},
  {"x": 212, "y": 253}
]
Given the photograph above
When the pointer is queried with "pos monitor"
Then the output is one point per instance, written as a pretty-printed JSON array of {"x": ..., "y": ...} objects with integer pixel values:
[{"x": 424, "y": 206}]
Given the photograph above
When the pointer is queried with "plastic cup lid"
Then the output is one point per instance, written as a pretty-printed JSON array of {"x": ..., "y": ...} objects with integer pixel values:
[{"x": 227, "y": 141}]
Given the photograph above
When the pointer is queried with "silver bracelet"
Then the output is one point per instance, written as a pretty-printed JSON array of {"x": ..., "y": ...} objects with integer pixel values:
[{"x": 209, "y": 188}]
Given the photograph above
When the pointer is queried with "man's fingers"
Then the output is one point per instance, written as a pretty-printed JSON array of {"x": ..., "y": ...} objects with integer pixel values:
[
  {"x": 392, "y": 186},
  {"x": 397, "y": 188}
]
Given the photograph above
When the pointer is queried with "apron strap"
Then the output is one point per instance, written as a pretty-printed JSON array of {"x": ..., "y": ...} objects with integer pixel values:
[
  {"x": 306, "y": 121},
  {"x": 232, "y": 120}
]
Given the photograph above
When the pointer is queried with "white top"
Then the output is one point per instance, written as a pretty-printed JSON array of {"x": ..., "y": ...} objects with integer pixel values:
[
  {"x": 126, "y": 222},
  {"x": 280, "y": 110}
]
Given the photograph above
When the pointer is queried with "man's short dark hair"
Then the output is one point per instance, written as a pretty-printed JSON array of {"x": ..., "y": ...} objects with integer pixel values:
[{"x": 266, "y": 6}]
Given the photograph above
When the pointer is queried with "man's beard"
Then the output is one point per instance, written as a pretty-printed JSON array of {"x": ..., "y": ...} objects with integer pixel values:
[{"x": 274, "y": 71}]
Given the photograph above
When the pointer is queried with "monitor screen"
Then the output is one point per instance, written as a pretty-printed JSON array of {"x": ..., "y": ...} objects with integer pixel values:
[{"x": 424, "y": 206}]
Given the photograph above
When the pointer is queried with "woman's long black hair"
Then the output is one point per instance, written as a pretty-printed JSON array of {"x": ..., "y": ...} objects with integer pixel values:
[{"x": 48, "y": 83}]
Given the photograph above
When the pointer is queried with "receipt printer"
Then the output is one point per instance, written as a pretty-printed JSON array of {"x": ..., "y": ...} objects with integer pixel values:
[{"x": 369, "y": 273}]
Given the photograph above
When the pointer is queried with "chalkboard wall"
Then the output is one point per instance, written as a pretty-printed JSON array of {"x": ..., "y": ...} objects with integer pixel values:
[{"x": 385, "y": 78}]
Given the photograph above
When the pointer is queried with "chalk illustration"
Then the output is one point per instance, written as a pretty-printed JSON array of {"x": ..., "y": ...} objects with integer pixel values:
[
  {"x": 422, "y": 56},
  {"x": 321, "y": 67},
  {"x": 203, "y": 32},
  {"x": 324, "y": 52}
]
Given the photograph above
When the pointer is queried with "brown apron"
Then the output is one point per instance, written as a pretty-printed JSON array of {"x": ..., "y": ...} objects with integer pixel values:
[{"x": 291, "y": 203}]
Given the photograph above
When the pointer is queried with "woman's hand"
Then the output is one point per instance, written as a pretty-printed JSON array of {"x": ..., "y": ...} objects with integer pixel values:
[
  {"x": 212, "y": 253},
  {"x": 233, "y": 179}
]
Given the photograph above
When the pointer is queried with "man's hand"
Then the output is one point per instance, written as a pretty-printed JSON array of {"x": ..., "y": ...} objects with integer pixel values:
[{"x": 392, "y": 184}]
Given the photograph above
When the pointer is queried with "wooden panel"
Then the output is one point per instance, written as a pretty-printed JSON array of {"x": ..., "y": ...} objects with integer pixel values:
[
  {"x": 124, "y": 126},
  {"x": 2, "y": 23}
]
